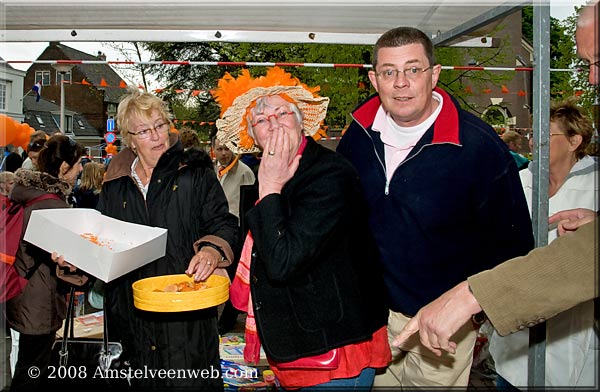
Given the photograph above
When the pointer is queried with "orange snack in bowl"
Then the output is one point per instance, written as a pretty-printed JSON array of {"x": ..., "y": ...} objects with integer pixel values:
[{"x": 184, "y": 286}]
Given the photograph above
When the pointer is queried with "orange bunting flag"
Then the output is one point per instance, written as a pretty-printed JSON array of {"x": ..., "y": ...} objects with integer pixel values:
[
  {"x": 504, "y": 89},
  {"x": 468, "y": 90},
  {"x": 179, "y": 91},
  {"x": 487, "y": 90},
  {"x": 578, "y": 93},
  {"x": 158, "y": 90},
  {"x": 122, "y": 84},
  {"x": 521, "y": 93},
  {"x": 195, "y": 93},
  {"x": 103, "y": 83},
  {"x": 85, "y": 82},
  {"x": 141, "y": 87}
]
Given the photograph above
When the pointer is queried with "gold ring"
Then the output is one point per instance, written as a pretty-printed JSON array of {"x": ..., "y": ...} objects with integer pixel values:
[{"x": 271, "y": 153}]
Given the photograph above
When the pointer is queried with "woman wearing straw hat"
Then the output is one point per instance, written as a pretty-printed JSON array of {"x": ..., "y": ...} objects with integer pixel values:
[{"x": 308, "y": 275}]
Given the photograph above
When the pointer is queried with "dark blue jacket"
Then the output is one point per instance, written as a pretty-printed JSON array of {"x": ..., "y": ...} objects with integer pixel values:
[{"x": 453, "y": 207}]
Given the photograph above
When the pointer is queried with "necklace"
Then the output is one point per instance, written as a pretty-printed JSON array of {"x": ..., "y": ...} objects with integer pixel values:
[{"x": 146, "y": 176}]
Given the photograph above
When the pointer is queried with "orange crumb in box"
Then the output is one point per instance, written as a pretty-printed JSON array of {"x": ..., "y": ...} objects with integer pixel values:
[{"x": 95, "y": 240}]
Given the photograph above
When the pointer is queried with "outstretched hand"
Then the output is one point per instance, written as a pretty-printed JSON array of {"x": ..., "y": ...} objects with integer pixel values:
[
  {"x": 60, "y": 260},
  {"x": 438, "y": 321},
  {"x": 571, "y": 220}
]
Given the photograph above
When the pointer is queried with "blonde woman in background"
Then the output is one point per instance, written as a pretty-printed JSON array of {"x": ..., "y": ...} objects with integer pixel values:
[{"x": 88, "y": 192}]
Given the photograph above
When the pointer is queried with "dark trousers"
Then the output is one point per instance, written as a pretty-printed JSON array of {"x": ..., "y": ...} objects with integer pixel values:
[{"x": 31, "y": 370}]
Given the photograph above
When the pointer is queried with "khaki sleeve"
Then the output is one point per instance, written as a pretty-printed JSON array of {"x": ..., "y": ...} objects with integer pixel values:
[{"x": 528, "y": 290}]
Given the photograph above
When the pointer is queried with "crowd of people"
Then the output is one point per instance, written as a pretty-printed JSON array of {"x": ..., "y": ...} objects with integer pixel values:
[{"x": 370, "y": 266}]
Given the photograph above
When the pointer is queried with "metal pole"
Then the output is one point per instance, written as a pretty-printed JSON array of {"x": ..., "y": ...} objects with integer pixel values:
[
  {"x": 62, "y": 102},
  {"x": 541, "y": 153}
]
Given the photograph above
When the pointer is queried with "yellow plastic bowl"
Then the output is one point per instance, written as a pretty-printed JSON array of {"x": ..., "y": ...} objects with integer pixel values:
[{"x": 145, "y": 298}]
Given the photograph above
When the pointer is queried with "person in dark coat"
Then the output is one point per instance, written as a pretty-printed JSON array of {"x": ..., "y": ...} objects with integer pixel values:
[
  {"x": 87, "y": 194},
  {"x": 38, "y": 312},
  {"x": 308, "y": 274},
  {"x": 155, "y": 183}
]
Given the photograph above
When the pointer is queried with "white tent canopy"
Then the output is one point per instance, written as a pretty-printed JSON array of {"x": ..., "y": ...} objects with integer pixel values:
[{"x": 320, "y": 21}]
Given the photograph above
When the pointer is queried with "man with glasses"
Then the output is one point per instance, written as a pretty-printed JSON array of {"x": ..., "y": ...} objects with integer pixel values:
[
  {"x": 444, "y": 195},
  {"x": 586, "y": 37},
  {"x": 529, "y": 290}
]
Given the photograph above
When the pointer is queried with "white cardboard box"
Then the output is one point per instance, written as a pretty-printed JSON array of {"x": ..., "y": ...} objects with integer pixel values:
[{"x": 123, "y": 246}]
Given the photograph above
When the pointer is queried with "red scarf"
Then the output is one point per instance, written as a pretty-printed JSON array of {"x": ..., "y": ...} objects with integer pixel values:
[{"x": 239, "y": 292}]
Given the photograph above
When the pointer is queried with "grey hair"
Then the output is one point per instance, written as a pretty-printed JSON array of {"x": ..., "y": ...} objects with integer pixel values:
[{"x": 261, "y": 104}]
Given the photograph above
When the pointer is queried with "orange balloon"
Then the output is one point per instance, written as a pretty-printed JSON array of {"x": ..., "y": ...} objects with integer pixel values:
[
  {"x": 22, "y": 138},
  {"x": 110, "y": 149},
  {"x": 7, "y": 130}
]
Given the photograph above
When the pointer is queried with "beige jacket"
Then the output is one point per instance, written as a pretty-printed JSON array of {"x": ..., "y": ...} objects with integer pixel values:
[{"x": 528, "y": 290}]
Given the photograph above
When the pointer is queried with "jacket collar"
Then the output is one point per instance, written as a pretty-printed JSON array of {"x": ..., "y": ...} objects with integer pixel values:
[
  {"x": 120, "y": 164},
  {"x": 445, "y": 128},
  {"x": 30, "y": 184}
]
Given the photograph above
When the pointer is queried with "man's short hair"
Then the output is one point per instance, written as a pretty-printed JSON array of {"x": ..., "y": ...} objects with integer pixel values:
[{"x": 401, "y": 36}]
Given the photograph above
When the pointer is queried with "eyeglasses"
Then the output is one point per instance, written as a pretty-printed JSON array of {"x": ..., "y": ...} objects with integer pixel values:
[
  {"x": 35, "y": 146},
  {"x": 145, "y": 133},
  {"x": 558, "y": 134},
  {"x": 262, "y": 121},
  {"x": 412, "y": 73},
  {"x": 586, "y": 66}
]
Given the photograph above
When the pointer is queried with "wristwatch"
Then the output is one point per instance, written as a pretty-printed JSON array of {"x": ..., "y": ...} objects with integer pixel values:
[{"x": 479, "y": 318}]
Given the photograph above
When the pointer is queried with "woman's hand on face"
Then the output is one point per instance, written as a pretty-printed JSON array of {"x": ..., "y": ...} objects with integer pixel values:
[
  {"x": 204, "y": 263},
  {"x": 60, "y": 260},
  {"x": 277, "y": 165}
]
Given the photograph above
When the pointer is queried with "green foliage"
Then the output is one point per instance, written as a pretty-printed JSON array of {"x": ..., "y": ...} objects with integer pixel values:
[
  {"x": 457, "y": 81},
  {"x": 348, "y": 86},
  {"x": 345, "y": 87},
  {"x": 494, "y": 116},
  {"x": 563, "y": 84}
]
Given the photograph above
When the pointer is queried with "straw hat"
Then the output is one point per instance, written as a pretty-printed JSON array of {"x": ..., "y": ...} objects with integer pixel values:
[{"x": 237, "y": 97}]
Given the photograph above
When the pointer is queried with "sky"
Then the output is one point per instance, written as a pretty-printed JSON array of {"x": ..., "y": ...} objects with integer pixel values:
[{"x": 559, "y": 9}]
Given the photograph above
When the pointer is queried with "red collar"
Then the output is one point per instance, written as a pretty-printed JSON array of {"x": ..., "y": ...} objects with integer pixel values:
[{"x": 446, "y": 126}]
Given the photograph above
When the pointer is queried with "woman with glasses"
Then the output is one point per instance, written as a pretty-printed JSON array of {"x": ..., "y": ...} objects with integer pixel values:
[
  {"x": 154, "y": 182},
  {"x": 38, "y": 312},
  {"x": 571, "y": 359},
  {"x": 308, "y": 274}
]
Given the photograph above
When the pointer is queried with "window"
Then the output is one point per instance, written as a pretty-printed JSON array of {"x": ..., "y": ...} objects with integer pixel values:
[
  {"x": 40, "y": 121},
  {"x": 3, "y": 90},
  {"x": 67, "y": 76},
  {"x": 68, "y": 124},
  {"x": 44, "y": 76}
]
